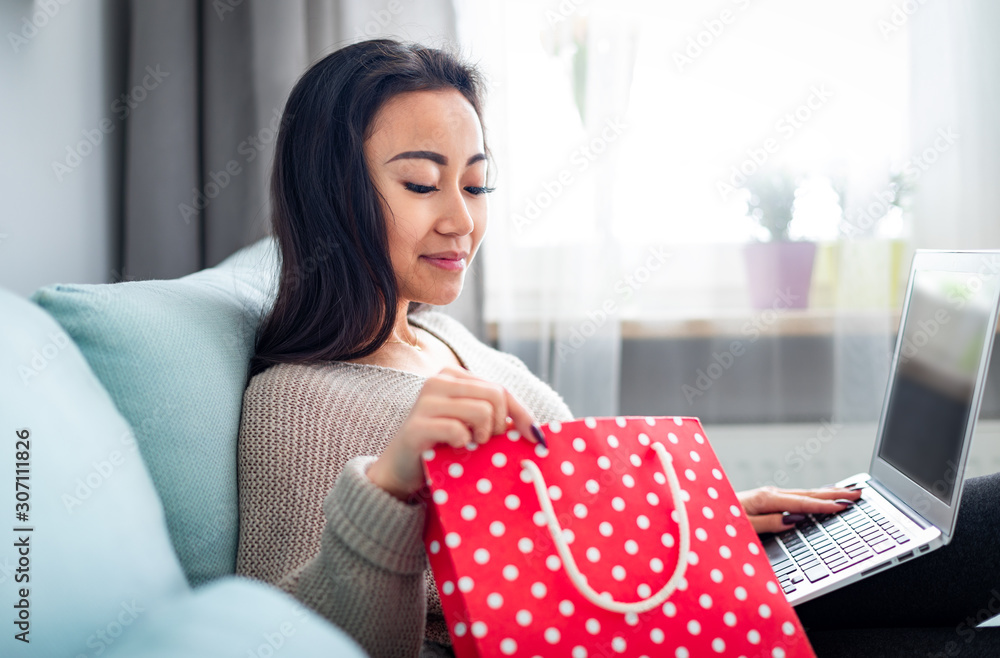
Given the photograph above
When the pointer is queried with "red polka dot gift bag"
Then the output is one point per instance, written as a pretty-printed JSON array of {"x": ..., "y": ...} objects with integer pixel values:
[{"x": 623, "y": 538}]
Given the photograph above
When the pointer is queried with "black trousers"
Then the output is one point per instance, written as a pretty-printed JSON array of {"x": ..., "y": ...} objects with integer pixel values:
[{"x": 929, "y": 606}]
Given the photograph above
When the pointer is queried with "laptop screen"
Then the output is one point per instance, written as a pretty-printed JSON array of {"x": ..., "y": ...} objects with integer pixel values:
[{"x": 935, "y": 377}]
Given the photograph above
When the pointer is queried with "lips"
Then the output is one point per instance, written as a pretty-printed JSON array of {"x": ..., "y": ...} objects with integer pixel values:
[
  {"x": 448, "y": 255},
  {"x": 447, "y": 260}
]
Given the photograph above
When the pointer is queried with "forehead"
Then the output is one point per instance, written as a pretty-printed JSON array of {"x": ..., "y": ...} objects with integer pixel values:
[{"x": 441, "y": 120}]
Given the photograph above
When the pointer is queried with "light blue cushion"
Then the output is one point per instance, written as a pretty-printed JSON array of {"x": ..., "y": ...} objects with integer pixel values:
[
  {"x": 99, "y": 539},
  {"x": 234, "y": 617},
  {"x": 174, "y": 357}
]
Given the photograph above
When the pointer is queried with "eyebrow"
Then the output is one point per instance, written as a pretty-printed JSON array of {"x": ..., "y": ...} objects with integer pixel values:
[{"x": 433, "y": 157}]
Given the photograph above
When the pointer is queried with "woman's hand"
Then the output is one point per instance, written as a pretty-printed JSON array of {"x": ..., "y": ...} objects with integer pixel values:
[
  {"x": 454, "y": 407},
  {"x": 765, "y": 505}
]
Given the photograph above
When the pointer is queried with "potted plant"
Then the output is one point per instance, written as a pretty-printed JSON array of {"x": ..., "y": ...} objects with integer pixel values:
[{"x": 779, "y": 269}]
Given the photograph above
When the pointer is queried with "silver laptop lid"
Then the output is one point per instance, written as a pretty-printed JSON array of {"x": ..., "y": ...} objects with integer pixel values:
[{"x": 936, "y": 380}]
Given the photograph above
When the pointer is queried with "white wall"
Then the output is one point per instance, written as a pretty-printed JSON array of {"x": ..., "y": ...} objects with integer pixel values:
[{"x": 56, "y": 83}]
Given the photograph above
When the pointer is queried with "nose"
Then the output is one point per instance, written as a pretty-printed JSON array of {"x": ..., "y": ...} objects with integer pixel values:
[{"x": 455, "y": 217}]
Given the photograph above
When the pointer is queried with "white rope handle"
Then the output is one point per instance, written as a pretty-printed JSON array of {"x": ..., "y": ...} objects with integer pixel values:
[{"x": 570, "y": 564}]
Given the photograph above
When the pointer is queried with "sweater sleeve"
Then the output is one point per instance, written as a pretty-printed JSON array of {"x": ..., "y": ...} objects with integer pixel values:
[{"x": 368, "y": 577}]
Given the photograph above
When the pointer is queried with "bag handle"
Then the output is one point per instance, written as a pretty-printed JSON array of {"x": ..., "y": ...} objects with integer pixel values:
[{"x": 570, "y": 564}]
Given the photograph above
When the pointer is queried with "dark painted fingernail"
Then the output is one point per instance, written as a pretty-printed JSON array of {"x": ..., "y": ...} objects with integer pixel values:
[
  {"x": 537, "y": 431},
  {"x": 859, "y": 487},
  {"x": 792, "y": 519},
  {"x": 844, "y": 501}
]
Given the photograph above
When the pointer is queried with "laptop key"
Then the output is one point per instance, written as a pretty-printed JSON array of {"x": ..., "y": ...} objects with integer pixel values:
[
  {"x": 816, "y": 573},
  {"x": 882, "y": 546}
]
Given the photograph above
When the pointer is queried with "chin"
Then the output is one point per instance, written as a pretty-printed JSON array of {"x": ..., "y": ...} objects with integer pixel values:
[{"x": 438, "y": 297}]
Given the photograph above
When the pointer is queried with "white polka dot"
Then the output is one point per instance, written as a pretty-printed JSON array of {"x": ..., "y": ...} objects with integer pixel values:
[
  {"x": 725, "y": 552},
  {"x": 525, "y": 476},
  {"x": 740, "y": 593},
  {"x": 593, "y": 554},
  {"x": 593, "y": 626},
  {"x": 685, "y": 496},
  {"x": 734, "y": 510},
  {"x": 523, "y": 617},
  {"x": 497, "y": 529},
  {"x": 435, "y": 547},
  {"x": 440, "y": 496},
  {"x": 652, "y": 498},
  {"x": 580, "y": 511},
  {"x": 669, "y": 609},
  {"x": 494, "y": 600},
  {"x": 513, "y": 435},
  {"x": 429, "y": 454},
  {"x": 578, "y": 652},
  {"x": 701, "y": 534},
  {"x": 631, "y": 547},
  {"x": 707, "y": 511},
  {"x": 717, "y": 474},
  {"x": 788, "y": 628},
  {"x": 642, "y": 521},
  {"x": 678, "y": 421},
  {"x": 551, "y": 635},
  {"x": 465, "y": 584},
  {"x": 555, "y": 427},
  {"x": 618, "y": 644},
  {"x": 672, "y": 437},
  {"x": 660, "y": 478},
  {"x": 555, "y": 493},
  {"x": 620, "y": 421},
  {"x": 460, "y": 629},
  {"x": 539, "y": 518},
  {"x": 471, "y": 446},
  {"x": 694, "y": 627},
  {"x": 695, "y": 457},
  {"x": 618, "y": 572},
  {"x": 777, "y": 652},
  {"x": 499, "y": 459},
  {"x": 667, "y": 539},
  {"x": 553, "y": 563},
  {"x": 753, "y": 636},
  {"x": 764, "y": 610},
  {"x": 617, "y": 504},
  {"x": 566, "y": 608},
  {"x": 512, "y": 502},
  {"x": 605, "y": 529},
  {"x": 538, "y": 590},
  {"x": 484, "y": 486},
  {"x": 478, "y": 629},
  {"x": 650, "y": 421},
  {"x": 675, "y": 516},
  {"x": 568, "y": 536},
  {"x": 682, "y": 584},
  {"x": 730, "y": 530},
  {"x": 748, "y": 569},
  {"x": 604, "y": 462},
  {"x": 771, "y": 587},
  {"x": 541, "y": 450},
  {"x": 448, "y": 587},
  {"x": 682, "y": 653},
  {"x": 525, "y": 545},
  {"x": 590, "y": 422},
  {"x": 481, "y": 556},
  {"x": 692, "y": 558},
  {"x": 592, "y": 486},
  {"x": 566, "y": 468},
  {"x": 752, "y": 547},
  {"x": 468, "y": 512},
  {"x": 718, "y": 645},
  {"x": 579, "y": 444},
  {"x": 452, "y": 539},
  {"x": 643, "y": 439},
  {"x": 656, "y": 564},
  {"x": 729, "y": 619},
  {"x": 628, "y": 481},
  {"x": 690, "y": 475},
  {"x": 635, "y": 459},
  {"x": 455, "y": 470},
  {"x": 508, "y": 647},
  {"x": 644, "y": 591},
  {"x": 699, "y": 438},
  {"x": 656, "y": 635},
  {"x": 612, "y": 440},
  {"x": 705, "y": 601},
  {"x": 712, "y": 493},
  {"x": 510, "y": 572},
  {"x": 716, "y": 576}
]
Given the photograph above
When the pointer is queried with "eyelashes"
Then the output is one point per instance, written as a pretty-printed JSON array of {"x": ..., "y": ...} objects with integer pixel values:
[{"x": 424, "y": 189}]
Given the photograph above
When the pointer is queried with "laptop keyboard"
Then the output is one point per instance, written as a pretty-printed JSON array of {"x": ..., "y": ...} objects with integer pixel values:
[{"x": 824, "y": 544}]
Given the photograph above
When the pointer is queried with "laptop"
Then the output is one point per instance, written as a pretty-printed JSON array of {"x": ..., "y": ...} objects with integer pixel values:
[{"x": 912, "y": 491}]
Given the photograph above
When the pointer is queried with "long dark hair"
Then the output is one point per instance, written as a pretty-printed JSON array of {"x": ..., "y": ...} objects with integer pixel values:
[{"x": 337, "y": 297}]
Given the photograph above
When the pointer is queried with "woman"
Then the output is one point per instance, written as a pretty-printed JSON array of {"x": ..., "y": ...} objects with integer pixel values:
[{"x": 379, "y": 205}]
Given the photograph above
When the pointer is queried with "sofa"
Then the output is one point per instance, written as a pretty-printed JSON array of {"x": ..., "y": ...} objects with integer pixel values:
[{"x": 119, "y": 413}]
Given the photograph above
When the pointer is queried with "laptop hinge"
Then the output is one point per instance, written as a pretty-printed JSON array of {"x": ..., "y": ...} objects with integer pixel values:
[{"x": 899, "y": 504}]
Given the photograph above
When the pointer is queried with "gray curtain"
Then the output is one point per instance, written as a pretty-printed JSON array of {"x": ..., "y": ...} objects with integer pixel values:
[{"x": 208, "y": 81}]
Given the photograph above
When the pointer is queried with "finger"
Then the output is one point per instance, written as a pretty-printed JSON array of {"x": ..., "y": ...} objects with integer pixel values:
[
  {"x": 523, "y": 419},
  {"x": 444, "y": 430},
  {"x": 476, "y": 413},
  {"x": 831, "y": 493},
  {"x": 470, "y": 386},
  {"x": 769, "y": 523},
  {"x": 464, "y": 384},
  {"x": 778, "y": 501}
]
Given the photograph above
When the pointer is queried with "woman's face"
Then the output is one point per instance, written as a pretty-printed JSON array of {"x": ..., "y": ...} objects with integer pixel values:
[{"x": 426, "y": 157}]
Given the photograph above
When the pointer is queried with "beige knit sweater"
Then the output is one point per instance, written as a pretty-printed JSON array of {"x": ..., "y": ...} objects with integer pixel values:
[{"x": 312, "y": 523}]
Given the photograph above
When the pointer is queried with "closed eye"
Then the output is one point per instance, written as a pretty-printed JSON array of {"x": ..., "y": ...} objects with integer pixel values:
[
  {"x": 479, "y": 190},
  {"x": 420, "y": 189}
]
